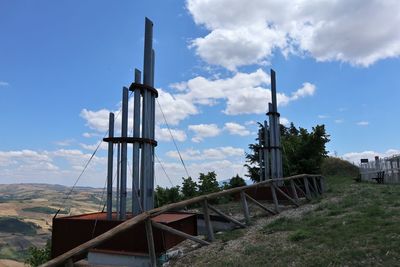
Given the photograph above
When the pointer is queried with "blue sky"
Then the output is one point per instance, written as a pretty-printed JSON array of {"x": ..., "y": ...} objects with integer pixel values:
[{"x": 63, "y": 64}]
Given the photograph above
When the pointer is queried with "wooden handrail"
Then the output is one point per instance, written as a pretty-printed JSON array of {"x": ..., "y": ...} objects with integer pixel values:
[{"x": 83, "y": 248}]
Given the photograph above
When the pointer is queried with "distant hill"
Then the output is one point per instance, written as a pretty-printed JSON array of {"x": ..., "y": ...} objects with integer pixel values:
[{"x": 26, "y": 212}]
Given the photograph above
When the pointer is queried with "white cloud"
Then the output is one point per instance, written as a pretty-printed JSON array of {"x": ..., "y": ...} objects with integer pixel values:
[
  {"x": 58, "y": 166},
  {"x": 339, "y": 121},
  {"x": 204, "y": 130},
  {"x": 323, "y": 116},
  {"x": 96, "y": 120},
  {"x": 175, "y": 108},
  {"x": 217, "y": 153},
  {"x": 4, "y": 84},
  {"x": 355, "y": 157},
  {"x": 236, "y": 129},
  {"x": 92, "y": 147},
  {"x": 66, "y": 142},
  {"x": 308, "y": 89},
  {"x": 284, "y": 121},
  {"x": 245, "y": 93},
  {"x": 90, "y": 135},
  {"x": 225, "y": 169},
  {"x": 242, "y": 34},
  {"x": 362, "y": 123},
  {"x": 251, "y": 122},
  {"x": 162, "y": 134}
]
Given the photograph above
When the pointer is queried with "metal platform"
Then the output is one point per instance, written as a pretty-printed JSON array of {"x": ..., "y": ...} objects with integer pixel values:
[{"x": 72, "y": 231}]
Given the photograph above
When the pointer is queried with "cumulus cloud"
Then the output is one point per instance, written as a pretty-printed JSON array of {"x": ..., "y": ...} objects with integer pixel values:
[
  {"x": 202, "y": 131},
  {"x": 4, "y": 84},
  {"x": 163, "y": 134},
  {"x": 355, "y": 157},
  {"x": 284, "y": 121},
  {"x": 217, "y": 153},
  {"x": 245, "y": 93},
  {"x": 57, "y": 166},
  {"x": 362, "y": 123},
  {"x": 242, "y": 34},
  {"x": 236, "y": 129}
]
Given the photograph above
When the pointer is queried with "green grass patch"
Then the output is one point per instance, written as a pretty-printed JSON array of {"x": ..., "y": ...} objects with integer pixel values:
[
  {"x": 14, "y": 225},
  {"x": 354, "y": 224},
  {"x": 299, "y": 234},
  {"x": 230, "y": 235}
]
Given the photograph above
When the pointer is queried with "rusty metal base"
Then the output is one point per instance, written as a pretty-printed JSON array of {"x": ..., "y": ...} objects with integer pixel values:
[{"x": 72, "y": 231}]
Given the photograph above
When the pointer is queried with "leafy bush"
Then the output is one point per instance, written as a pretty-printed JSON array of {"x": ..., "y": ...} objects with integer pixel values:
[
  {"x": 189, "y": 188},
  {"x": 208, "y": 183},
  {"x": 37, "y": 256},
  {"x": 303, "y": 151},
  {"x": 236, "y": 181},
  {"x": 165, "y": 196}
]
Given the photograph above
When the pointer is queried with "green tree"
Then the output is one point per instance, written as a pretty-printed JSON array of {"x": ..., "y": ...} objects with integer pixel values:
[
  {"x": 37, "y": 256},
  {"x": 189, "y": 188},
  {"x": 165, "y": 196},
  {"x": 208, "y": 183},
  {"x": 236, "y": 181},
  {"x": 303, "y": 151}
]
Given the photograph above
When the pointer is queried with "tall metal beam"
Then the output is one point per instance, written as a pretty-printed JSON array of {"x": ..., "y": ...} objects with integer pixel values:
[
  {"x": 148, "y": 79},
  {"x": 124, "y": 152},
  {"x": 273, "y": 91},
  {"x": 135, "y": 154},
  {"x": 110, "y": 166}
]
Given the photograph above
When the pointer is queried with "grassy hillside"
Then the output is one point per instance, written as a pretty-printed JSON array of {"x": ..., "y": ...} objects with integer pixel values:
[
  {"x": 26, "y": 212},
  {"x": 354, "y": 224}
]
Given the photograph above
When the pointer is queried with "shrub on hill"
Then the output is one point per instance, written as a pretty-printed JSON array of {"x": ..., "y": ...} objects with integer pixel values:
[
  {"x": 303, "y": 151},
  {"x": 335, "y": 166}
]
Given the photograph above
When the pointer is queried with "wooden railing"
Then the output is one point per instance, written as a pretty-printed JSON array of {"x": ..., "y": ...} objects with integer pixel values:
[{"x": 313, "y": 185}]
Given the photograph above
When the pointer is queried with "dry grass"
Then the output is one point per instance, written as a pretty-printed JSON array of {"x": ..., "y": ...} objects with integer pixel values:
[{"x": 353, "y": 225}]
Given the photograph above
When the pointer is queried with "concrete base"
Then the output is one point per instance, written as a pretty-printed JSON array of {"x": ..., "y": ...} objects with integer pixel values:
[{"x": 112, "y": 258}]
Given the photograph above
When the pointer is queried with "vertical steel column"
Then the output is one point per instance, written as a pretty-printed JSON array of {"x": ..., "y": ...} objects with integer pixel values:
[
  {"x": 266, "y": 152},
  {"x": 110, "y": 166},
  {"x": 135, "y": 154},
  {"x": 117, "y": 202},
  {"x": 273, "y": 91},
  {"x": 146, "y": 150},
  {"x": 272, "y": 142},
  {"x": 150, "y": 200},
  {"x": 124, "y": 152},
  {"x": 261, "y": 154}
]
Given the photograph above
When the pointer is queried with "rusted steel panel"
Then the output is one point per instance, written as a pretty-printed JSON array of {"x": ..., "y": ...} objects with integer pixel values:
[{"x": 72, "y": 231}]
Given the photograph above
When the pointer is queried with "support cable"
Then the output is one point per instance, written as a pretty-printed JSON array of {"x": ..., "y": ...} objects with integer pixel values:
[
  {"x": 173, "y": 139},
  {"x": 86, "y": 166},
  {"x": 165, "y": 172}
]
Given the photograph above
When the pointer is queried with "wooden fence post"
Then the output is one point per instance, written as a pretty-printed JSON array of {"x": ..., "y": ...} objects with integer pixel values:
[
  {"x": 274, "y": 197},
  {"x": 307, "y": 187},
  {"x": 322, "y": 184},
  {"x": 317, "y": 192},
  {"x": 294, "y": 192},
  {"x": 150, "y": 242},
  {"x": 245, "y": 207},
  {"x": 207, "y": 220}
]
